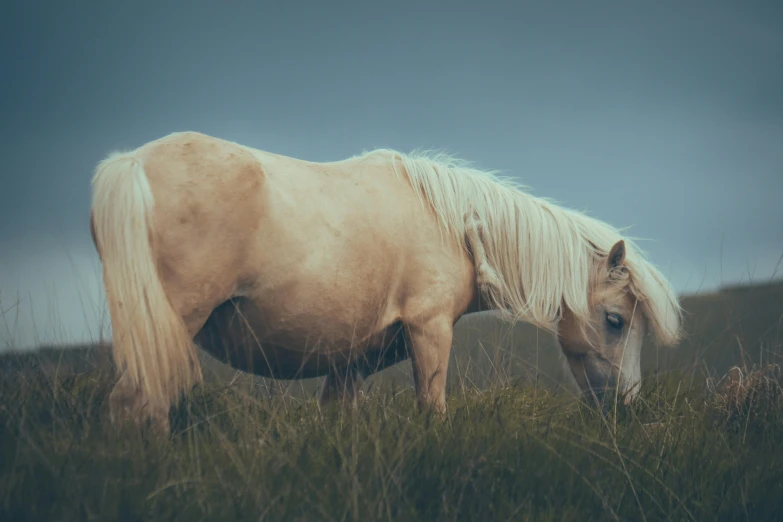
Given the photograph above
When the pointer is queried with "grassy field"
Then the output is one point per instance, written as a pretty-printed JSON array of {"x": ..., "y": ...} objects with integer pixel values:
[{"x": 704, "y": 443}]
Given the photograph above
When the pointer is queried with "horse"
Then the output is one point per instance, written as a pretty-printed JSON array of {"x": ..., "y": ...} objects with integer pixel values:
[{"x": 293, "y": 269}]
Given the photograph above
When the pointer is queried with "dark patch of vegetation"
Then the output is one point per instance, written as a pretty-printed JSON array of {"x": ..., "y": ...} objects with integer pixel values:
[{"x": 705, "y": 442}]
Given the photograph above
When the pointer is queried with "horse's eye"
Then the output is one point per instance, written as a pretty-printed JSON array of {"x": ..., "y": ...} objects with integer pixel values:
[{"x": 614, "y": 321}]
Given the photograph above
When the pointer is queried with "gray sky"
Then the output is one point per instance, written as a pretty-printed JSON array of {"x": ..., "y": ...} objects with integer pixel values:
[{"x": 666, "y": 116}]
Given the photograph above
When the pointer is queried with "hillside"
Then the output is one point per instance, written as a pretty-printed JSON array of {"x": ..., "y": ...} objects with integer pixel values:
[
  {"x": 723, "y": 329},
  {"x": 684, "y": 451}
]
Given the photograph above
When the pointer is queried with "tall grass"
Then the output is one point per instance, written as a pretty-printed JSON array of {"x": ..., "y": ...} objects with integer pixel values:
[
  {"x": 502, "y": 453},
  {"x": 694, "y": 447}
]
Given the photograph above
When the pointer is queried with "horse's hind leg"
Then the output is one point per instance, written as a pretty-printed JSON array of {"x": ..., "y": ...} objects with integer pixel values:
[
  {"x": 128, "y": 402},
  {"x": 341, "y": 385}
]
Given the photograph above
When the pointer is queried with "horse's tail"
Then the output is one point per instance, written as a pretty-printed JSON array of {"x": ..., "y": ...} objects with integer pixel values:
[{"x": 150, "y": 343}]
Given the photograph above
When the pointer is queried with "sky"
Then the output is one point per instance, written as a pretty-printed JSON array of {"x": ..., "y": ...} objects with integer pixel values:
[{"x": 664, "y": 116}]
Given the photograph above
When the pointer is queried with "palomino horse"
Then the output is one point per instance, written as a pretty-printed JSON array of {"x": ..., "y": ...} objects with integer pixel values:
[{"x": 293, "y": 269}]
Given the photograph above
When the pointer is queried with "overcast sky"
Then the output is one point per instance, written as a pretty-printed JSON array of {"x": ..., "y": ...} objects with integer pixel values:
[{"x": 666, "y": 116}]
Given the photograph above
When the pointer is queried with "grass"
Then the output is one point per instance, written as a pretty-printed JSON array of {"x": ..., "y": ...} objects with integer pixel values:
[{"x": 701, "y": 444}]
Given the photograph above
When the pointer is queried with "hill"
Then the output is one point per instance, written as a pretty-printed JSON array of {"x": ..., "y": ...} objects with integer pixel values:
[
  {"x": 508, "y": 449},
  {"x": 734, "y": 326}
]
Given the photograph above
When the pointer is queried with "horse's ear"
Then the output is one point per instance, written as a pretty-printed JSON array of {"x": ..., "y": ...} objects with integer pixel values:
[{"x": 616, "y": 255}]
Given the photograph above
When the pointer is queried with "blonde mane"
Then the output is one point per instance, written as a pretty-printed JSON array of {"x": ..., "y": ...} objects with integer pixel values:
[{"x": 545, "y": 255}]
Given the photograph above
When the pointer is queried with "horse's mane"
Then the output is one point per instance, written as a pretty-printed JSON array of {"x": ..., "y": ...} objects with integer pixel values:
[{"x": 545, "y": 254}]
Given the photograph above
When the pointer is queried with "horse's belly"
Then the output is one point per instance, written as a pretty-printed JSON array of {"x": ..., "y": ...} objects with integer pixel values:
[{"x": 240, "y": 334}]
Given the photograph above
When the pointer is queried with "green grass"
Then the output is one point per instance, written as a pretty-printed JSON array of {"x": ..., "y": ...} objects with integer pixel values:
[{"x": 508, "y": 449}]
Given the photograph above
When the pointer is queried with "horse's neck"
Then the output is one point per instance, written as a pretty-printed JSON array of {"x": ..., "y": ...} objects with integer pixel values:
[{"x": 479, "y": 303}]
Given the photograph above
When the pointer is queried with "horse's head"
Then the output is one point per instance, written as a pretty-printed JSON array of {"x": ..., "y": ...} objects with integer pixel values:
[{"x": 604, "y": 352}]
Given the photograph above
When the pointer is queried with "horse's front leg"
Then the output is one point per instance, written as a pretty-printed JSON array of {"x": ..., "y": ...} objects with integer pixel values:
[{"x": 430, "y": 345}]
